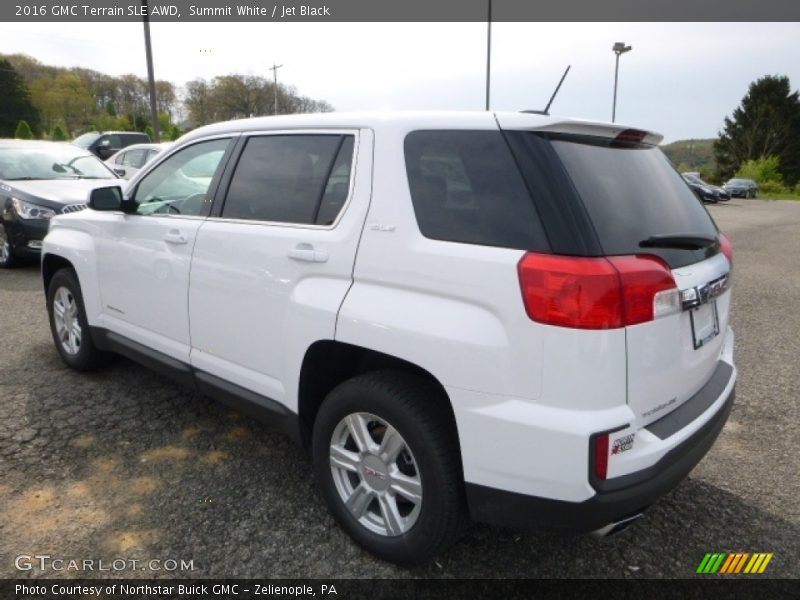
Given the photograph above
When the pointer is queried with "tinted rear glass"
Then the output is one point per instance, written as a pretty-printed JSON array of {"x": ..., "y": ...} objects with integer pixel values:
[
  {"x": 465, "y": 187},
  {"x": 631, "y": 192}
]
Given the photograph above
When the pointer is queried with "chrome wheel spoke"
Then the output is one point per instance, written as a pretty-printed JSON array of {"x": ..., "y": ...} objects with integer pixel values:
[
  {"x": 357, "y": 426},
  {"x": 75, "y": 334},
  {"x": 344, "y": 459},
  {"x": 59, "y": 310},
  {"x": 409, "y": 488},
  {"x": 359, "y": 500},
  {"x": 391, "y": 516},
  {"x": 391, "y": 445}
]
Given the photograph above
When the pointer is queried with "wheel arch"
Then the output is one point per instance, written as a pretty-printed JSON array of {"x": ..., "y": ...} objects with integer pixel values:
[
  {"x": 327, "y": 363},
  {"x": 51, "y": 264}
]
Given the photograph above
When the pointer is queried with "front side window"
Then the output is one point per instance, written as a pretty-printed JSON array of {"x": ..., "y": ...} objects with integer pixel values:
[
  {"x": 298, "y": 178},
  {"x": 180, "y": 185}
]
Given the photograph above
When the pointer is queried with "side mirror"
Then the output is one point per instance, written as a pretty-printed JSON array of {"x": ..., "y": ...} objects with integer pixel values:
[
  {"x": 106, "y": 198},
  {"x": 120, "y": 172}
]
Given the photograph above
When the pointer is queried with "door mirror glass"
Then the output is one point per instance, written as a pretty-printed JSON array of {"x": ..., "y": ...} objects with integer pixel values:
[{"x": 106, "y": 198}]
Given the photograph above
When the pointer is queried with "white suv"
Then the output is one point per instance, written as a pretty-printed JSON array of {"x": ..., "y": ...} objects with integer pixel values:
[{"x": 509, "y": 317}]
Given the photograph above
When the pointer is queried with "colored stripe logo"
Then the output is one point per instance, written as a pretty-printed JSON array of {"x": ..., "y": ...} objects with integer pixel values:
[{"x": 732, "y": 563}]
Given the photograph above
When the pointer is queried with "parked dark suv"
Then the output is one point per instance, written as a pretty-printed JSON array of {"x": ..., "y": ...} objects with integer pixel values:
[{"x": 105, "y": 143}]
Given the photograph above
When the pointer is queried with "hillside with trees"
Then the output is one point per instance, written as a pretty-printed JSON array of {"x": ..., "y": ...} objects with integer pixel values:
[
  {"x": 692, "y": 155},
  {"x": 65, "y": 102}
]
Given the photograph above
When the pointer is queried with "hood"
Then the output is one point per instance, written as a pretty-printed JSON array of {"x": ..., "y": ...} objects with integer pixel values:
[{"x": 55, "y": 193}]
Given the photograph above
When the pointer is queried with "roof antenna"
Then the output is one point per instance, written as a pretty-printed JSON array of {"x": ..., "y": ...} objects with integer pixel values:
[{"x": 546, "y": 110}]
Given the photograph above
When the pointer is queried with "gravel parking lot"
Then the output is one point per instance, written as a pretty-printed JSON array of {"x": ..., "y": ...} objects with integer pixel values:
[{"x": 124, "y": 464}]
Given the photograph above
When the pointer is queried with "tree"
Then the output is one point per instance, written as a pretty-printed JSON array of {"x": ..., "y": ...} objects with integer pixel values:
[
  {"x": 58, "y": 134},
  {"x": 23, "y": 131},
  {"x": 64, "y": 99},
  {"x": 149, "y": 131},
  {"x": 15, "y": 102},
  {"x": 766, "y": 124},
  {"x": 174, "y": 133}
]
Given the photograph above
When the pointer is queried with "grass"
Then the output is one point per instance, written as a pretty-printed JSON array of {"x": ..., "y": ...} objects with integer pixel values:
[{"x": 780, "y": 196}]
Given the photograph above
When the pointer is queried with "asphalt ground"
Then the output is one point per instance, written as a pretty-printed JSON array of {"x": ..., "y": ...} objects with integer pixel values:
[{"x": 123, "y": 464}]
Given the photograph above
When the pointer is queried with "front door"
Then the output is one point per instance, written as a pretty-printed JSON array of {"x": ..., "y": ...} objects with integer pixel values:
[{"x": 144, "y": 257}]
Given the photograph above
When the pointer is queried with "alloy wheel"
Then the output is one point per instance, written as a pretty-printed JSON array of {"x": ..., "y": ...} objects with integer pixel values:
[
  {"x": 65, "y": 316},
  {"x": 375, "y": 474}
]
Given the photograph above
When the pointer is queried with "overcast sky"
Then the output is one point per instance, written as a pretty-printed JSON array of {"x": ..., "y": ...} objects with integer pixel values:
[{"x": 680, "y": 79}]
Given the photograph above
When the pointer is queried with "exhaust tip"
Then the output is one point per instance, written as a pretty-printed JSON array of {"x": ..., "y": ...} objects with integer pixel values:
[{"x": 616, "y": 526}]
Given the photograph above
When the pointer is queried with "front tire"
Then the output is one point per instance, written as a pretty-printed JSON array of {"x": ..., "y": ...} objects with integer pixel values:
[
  {"x": 68, "y": 323},
  {"x": 386, "y": 457},
  {"x": 8, "y": 259}
]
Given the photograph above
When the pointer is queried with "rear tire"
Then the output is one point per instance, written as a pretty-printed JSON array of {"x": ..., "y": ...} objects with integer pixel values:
[
  {"x": 8, "y": 259},
  {"x": 403, "y": 509},
  {"x": 68, "y": 324}
]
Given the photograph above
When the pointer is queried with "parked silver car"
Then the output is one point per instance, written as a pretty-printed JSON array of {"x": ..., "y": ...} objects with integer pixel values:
[{"x": 127, "y": 162}]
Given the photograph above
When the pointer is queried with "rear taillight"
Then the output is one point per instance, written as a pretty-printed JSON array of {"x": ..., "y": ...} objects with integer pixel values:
[
  {"x": 601, "y": 455},
  {"x": 726, "y": 247},
  {"x": 596, "y": 293}
]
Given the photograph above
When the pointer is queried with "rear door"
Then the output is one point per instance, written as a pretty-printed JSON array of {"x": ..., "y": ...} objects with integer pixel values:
[{"x": 271, "y": 266}]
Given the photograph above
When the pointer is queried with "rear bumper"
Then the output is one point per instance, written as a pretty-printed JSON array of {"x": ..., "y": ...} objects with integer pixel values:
[{"x": 609, "y": 504}]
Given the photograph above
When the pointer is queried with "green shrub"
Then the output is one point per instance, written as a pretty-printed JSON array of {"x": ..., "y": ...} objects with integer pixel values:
[
  {"x": 23, "y": 131},
  {"x": 149, "y": 131},
  {"x": 174, "y": 133},
  {"x": 772, "y": 187},
  {"x": 58, "y": 134},
  {"x": 762, "y": 170}
]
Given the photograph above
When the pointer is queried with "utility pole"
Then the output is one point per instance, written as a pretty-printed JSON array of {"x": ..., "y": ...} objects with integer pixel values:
[
  {"x": 274, "y": 68},
  {"x": 488, "y": 52},
  {"x": 150, "y": 77}
]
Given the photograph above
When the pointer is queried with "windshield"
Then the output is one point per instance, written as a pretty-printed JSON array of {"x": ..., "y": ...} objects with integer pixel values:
[{"x": 58, "y": 162}]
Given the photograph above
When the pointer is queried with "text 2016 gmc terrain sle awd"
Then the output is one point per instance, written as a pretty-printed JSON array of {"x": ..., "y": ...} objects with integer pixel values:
[{"x": 510, "y": 317}]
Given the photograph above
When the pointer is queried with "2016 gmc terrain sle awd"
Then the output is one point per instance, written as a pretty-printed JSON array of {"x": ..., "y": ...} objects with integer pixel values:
[{"x": 510, "y": 317}]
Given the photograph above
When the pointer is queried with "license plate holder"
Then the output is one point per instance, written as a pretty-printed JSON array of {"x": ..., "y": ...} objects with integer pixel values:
[{"x": 705, "y": 323}]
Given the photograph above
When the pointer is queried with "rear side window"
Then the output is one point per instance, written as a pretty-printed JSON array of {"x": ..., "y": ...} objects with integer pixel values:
[
  {"x": 294, "y": 178},
  {"x": 466, "y": 188}
]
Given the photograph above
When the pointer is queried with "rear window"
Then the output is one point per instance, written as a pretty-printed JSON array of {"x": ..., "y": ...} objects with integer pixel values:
[
  {"x": 465, "y": 187},
  {"x": 625, "y": 193},
  {"x": 631, "y": 193}
]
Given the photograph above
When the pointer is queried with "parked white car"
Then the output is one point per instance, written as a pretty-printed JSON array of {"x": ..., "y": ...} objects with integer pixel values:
[
  {"x": 127, "y": 162},
  {"x": 462, "y": 314}
]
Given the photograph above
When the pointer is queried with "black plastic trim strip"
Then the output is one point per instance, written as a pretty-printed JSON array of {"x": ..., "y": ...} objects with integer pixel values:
[
  {"x": 695, "y": 406},
  {"x": 261, "y": 408}
]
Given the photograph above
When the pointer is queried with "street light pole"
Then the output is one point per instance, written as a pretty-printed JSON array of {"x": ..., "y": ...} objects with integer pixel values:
[
  {"x": 150, "y": 77},
  {"x": 274, "y": 68},
  {"x": 618, "y": 48},
  {"x": 488, "y": 52}
]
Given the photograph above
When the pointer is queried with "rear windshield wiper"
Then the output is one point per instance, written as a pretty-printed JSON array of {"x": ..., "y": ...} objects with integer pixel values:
[{"x": 681, "y": 241}]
